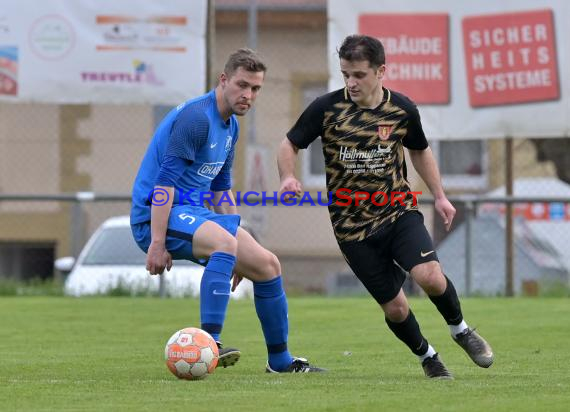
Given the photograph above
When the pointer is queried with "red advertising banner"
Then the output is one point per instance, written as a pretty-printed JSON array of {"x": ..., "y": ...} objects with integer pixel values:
[
  {"x": 510, "y": 58},
  {"x": 535, "y": 211},
  {"x": 417, "y": 57}
]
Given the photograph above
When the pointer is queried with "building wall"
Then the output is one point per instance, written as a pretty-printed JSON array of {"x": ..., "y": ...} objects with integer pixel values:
[
  {"x": 30, "y": 160},
  {"x": 53, "y": 149}
]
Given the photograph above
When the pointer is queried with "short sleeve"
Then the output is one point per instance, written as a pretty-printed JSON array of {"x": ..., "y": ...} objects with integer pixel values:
[
  {"x": 189, "y": 132},
  {"x": 171, "y": 169},
  {"x": 415, "y": 138},
  {"x": 309, "y": 126}
]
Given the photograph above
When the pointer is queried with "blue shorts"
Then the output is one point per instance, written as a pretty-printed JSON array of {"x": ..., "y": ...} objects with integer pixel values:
[{"x": 183, "y": 222}]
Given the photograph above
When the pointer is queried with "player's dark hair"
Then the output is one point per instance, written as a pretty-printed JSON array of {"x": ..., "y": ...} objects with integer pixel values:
[
  {"x": 358, "y": 47},
  {"x": 246, "y": 58}
]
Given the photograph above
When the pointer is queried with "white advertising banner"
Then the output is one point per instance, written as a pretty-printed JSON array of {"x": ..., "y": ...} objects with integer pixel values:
[
  {"x": 102, "y": 51},
  {"x": 477, "y": 69}
]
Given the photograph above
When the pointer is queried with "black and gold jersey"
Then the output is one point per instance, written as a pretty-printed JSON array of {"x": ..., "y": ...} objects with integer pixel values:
[{"x": 364, "y": 152}]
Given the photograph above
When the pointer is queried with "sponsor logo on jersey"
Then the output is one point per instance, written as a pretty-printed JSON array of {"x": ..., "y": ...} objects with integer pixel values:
[
  {"x": 210, "y": 170},
  {"x": 347, "y": 154}
]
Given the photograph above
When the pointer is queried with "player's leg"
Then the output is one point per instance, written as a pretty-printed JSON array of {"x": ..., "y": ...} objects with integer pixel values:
[
  {"x": 431, "y": 278},
  {"x": 404, "y": 325},
  {"x": 214, "y": 243},
  {"x": 219, "y": 246},
  {"x": 263, "y": 268},
  {"x": 370, "y": 260},
  {"x": 191, "y": 235},
  {"x": 413, "y": 250}
]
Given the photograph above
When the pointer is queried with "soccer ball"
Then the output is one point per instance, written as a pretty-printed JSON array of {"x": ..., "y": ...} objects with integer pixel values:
[{"x": 191, "y": 353}]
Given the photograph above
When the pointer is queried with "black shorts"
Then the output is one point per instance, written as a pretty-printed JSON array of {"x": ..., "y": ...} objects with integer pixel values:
[{"x": 405, "y": 241}]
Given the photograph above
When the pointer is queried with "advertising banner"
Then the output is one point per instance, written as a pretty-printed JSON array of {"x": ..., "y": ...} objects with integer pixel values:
[{"x": 102, "y": 51}]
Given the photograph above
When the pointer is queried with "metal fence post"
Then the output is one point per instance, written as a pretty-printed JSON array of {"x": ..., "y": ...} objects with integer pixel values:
[
  {"x": 469, "y": 211},
  {"x": 77, "y": 228},
  {"x": 162, "y": 286},
  {"x": 78, "y": 225}
]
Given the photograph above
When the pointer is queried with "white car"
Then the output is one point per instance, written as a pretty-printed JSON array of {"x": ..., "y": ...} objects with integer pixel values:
[{"x": 111, "y": 260}]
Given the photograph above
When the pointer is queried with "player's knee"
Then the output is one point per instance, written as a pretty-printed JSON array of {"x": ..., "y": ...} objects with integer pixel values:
[
  {"x": 268, "y": 267},
  {"x": 274, "y": 266},
  {"x": 430, "y": 277},
  {"x": 227, "y": 244},
  {"x": 396, "y": 312}
]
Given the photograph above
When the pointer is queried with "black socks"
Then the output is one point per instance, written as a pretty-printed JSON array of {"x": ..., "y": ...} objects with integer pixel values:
[
  {"x": 409, "y": 332},
  {"x": 448, "y": 304}
]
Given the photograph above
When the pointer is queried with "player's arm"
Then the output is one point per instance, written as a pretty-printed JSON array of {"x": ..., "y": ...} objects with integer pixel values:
[
  {"x": 307, "y": 128},
  {"x": 225, "y": 203},
  {"x": 158, "y": 257},
  {"x": 426, "y": 166},
  {"x": 172, "y": 167},
  {"x": 286, "y": 161},
  {"x": 188, "y": 134}
]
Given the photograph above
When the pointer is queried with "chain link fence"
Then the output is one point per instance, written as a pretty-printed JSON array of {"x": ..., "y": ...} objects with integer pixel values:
[{"x": 49, "y": 153}]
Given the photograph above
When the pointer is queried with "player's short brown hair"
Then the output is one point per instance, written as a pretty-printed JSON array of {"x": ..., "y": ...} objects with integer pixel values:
[
  {"x": 247, "y": 59},
  {"x": 358, "y": 47}
]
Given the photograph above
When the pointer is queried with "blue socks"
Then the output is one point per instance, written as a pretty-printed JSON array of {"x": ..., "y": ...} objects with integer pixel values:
[
  {"x": 215, "y": 292},
  {"x": 270, "y": 304},
  {"x": 271, "y": 307}
]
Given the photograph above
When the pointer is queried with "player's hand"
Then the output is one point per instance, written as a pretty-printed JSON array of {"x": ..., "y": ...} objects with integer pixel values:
[
  {"x": 290, "y": 184},
  {"x": 158, "y": 259},
  {"x": 446, "y": 211},
  {"x": 236, "y": 279}
]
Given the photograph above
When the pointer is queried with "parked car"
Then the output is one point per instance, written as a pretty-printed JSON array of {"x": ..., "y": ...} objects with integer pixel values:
[{"x": 111, "y": 260}]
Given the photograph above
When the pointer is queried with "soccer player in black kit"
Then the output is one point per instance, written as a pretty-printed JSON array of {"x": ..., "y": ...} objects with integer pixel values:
[{"x": 364, "y": 128}]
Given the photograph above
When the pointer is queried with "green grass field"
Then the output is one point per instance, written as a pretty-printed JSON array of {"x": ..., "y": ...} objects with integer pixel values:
[{"x": 107, "y": 354}]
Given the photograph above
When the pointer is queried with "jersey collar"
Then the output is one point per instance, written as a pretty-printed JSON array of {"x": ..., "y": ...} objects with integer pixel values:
[{"x": 386, "y": 96}]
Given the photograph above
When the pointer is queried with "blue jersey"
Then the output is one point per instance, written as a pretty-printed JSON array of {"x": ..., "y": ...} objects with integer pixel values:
[{"x": 193, "y": 131}]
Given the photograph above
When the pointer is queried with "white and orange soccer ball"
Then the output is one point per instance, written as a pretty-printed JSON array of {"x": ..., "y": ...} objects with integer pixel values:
[{"x": 191, "y": 353}]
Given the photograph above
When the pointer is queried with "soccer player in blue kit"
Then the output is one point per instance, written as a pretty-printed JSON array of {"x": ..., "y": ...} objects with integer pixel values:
[{"x": 192, "y": 152}]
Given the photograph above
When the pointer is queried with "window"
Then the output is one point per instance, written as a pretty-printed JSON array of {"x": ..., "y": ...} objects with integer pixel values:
[
  {"x": 463, "y": 163},
  {"x": 115, "y": 246},
  {"x": 26, "y": 260},
  {"x": 313, "y": 162}
]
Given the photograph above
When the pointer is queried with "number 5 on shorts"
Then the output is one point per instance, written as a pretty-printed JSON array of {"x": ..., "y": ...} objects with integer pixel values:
[{"x": 185, "y": 216}]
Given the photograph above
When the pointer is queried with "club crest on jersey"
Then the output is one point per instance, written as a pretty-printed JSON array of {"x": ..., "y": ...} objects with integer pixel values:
[
  {"x": 228, "y": 147},
  {"x": 384, "y": 131}
]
